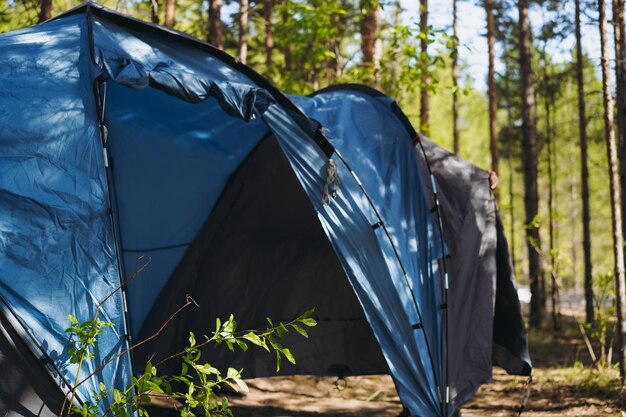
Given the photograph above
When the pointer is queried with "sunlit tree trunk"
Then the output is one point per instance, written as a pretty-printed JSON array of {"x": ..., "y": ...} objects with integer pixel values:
[
  {"x": 510, "y": 124},
  {"x": 425, "y": 80},
  {"x": 268, "y": 6},
  {"x": 584, "y": 173},
  {"x": 618, "y": 239},
  {"x": 286, "y": 47},
  {"x": 554, "y": 287},
  {"x": 242, "y": 47},
  {"x": 455, "y": 80},
  {"x": 45, "y": 10},
  {"x": 154, "y": 11},
  {"x": 371, "y": 46},
  {"x": 170, "y": 13},
  {"x": 529, "y": 165},
  {"x": 215, "y": 36},
  {"x": 491, "y": 77},
  {"x": 620, "y": 77}
]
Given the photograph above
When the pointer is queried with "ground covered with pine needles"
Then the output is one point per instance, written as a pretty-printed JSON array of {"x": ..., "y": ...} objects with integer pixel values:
[{"x": 565, "y": 383}]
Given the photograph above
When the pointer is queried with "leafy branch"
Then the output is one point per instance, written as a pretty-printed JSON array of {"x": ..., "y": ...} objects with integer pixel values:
[{"x": 194, "y": 387}]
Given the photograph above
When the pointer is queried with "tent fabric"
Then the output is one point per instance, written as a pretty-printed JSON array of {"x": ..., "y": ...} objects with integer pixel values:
[
  {"x": 57, "y": 252},
  {"x": 124, "y": 144},
  {"x": 478, "y": 261},
  {"x": 256, "y": 257}
]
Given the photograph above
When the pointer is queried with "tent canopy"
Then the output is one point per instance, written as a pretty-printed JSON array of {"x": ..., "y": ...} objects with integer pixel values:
[{"x": 139, "y": 166}]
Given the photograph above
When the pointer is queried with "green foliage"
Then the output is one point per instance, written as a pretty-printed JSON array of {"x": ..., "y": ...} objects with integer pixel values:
[
  {"x": 311, "y": 30},
  {"x": 195, "y": 386}
]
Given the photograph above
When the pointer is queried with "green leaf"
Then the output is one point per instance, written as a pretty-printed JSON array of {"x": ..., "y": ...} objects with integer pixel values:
[
  {"x": 192, "y": 339},
  {"x": 299, "y": 329},
  {"x": 288, "y": 355},
  {"x": 309, "y": 322},
  {"x": 253, "y": 338},
  {"x": 242, "y": 344},
  {"x": 117, "y": 396}
]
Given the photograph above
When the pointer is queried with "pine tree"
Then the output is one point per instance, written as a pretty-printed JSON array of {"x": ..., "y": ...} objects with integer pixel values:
[{"x": 529, "y": 166}]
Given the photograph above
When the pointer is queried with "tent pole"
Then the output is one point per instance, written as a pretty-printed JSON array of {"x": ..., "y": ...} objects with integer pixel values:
[{"x": 100, "y": 96}]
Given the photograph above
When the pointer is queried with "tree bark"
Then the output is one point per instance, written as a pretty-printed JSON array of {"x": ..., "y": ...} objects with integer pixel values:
[
  {"x": 286, "y": 47},
  {"x": 493, "y": 99},
  {"x": 154, "y": 11},
  {"x": 455, "y": 80},
  {"x": 371, "y": 47},
  {"x": 45, "y": 10},
  {"x": 269, "y": 35},
  {"x": 425, "y": 79},
  {"x": 584, "y": 173},
  {"x": 620, "y": 77},
  {"x": 170, "y": 13},
  {"x": 554, "y": 287},
  {"x": 529, "y": 165},
  {"x": 242, "y": 47},
  {"x": 618, "y": 238},
  {"x": 509, "y": 117},
  {"x": 215, "y": 36}
]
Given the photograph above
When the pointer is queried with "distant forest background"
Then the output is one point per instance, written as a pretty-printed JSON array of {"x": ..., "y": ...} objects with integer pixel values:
[{"x": 551, "y": 121}]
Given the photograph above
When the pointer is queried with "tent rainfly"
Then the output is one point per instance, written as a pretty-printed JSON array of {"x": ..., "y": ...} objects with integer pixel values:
[{"x": 121, "y": 141}]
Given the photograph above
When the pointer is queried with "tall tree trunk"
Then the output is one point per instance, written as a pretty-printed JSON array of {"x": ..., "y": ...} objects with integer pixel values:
[
  {"x": 371, "y": 47},
  {"x": 554, "y": 288},
  {"x": 618, "y": 238},
  {"x": 154, "y": 11},
  {"x": 455, "y": 80},
  {"x": 529, "y": 164},
  {"x": 45, "y": 10},
  {"x": 509, "y": 118},
  {"x": 242, "y": 47},
  {"x": 620, "y": 78},
  {"x": 584, "y": 173},
  {"x": 170, "y": 13},
  {"x": 268, "y": 6},
  {"x": 425, "y": 79},
  {"x": 493, "y": 99},
  {"x": 286, "y": 47},
  {"x": 215, "y": 37}
]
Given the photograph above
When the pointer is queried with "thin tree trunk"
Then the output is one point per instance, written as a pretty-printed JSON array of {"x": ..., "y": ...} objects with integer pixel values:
[
  {"x": 493, "y": 99},
  {"x": 45, "y": 10},
  {"x": 269, "y": 35},
  {"x": 509, "y": 116},
  {"x": 620, "y": 77},
  {"x": 554, "y": 289},
  {"x": 529, "y": 164},
  {"x": 286, "y": 47},
  {"x": 371, "y": 47},
  {"x": 618, "y": 238},
  {"x": 425, "y": 79},
  {"x": 215, "y": 24},
  {"x": 455, "y": 80},
  {"x": 584, "y": 173},
  {"x": 242, "y": 47},
  {"x": 170, "y": 13},
  {"x": 394, "y": 84},
  {"x": 154, "y": 11}
]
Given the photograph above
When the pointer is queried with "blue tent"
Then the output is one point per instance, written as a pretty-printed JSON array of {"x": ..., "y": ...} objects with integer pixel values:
[{"x": 139, "y": 165}]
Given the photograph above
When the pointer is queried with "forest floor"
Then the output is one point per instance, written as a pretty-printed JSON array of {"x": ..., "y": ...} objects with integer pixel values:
[{"x": 564, "y": 384}]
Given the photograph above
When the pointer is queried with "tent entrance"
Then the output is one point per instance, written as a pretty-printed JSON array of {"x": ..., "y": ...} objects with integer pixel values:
[{"x": 258, "y": 251}]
